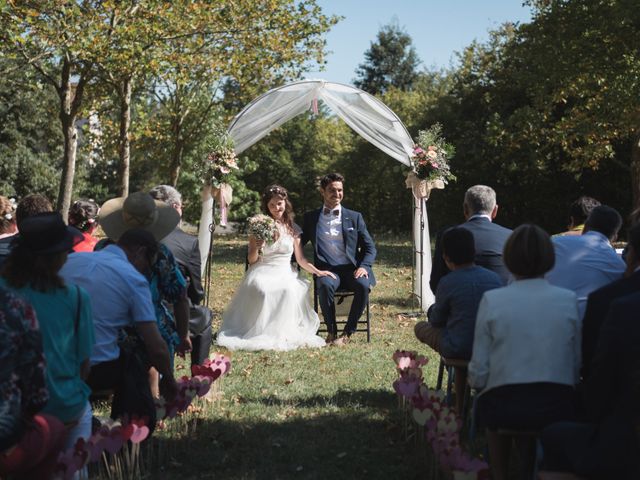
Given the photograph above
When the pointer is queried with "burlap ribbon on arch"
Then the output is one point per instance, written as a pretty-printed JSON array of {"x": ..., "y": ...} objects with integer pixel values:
[{"x": 422, "y": 188}]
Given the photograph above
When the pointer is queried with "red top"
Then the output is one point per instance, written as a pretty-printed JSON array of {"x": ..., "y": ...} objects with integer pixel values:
[{"x": 87, "y": 244}]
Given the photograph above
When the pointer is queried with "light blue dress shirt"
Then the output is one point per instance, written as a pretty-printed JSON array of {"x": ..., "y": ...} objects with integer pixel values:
[
  {"x": 584, "y": 263},
  {"x": 120, "y": 295}
]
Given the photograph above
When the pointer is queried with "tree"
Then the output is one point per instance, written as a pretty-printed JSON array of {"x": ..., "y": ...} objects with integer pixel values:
[
  {"x": 58, "y": 39},
  {"x": 30, "y": 145},
  {"x": 390, "y": 61}
]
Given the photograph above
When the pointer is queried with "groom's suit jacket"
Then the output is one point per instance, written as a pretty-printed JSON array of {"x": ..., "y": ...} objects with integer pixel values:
[{"x": 358, "y": 244}]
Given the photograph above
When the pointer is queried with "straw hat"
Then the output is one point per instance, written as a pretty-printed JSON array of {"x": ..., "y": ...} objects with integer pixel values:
[
  {"x": 138, "y": 210},
  {"x": 46, "y": 234}
]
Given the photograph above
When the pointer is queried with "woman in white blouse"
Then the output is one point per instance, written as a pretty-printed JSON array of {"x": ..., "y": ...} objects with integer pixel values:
[{"x": 526, "y": 349}]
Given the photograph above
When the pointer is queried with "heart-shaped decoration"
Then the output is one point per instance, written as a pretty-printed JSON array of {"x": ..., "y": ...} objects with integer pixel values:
[
  {"x": 112, "y": 444},
  {"x": 422, "y": 416},
  {"x": 127, "y": 431},
  {"x": 139, "y": 434}
]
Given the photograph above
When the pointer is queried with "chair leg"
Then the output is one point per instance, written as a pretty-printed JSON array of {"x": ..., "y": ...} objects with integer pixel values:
[
  {"x": 368, "y": 324},
  {"x": 440, "y": 374},
  {"x": 450, "y": 378}
]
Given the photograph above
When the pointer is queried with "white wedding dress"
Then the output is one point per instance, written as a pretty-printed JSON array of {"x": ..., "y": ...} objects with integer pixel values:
[{"x": 271, "y": 308}]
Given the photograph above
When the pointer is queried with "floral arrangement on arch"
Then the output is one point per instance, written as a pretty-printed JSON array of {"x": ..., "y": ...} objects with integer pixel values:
[
  {"x": 431, "y": 155},
  {"x": 219, "y": 161}
]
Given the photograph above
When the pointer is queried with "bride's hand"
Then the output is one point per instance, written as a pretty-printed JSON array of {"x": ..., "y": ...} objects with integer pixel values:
[{"x": 326, "y": 273}]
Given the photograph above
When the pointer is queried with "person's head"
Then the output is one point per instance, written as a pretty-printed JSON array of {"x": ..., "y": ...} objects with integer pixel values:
[
  {"x": 141, "y": 248},
  {"x": 138, "y": 210},
  {"x": 580, "y": 210},
  {"x": 7, "y": 216},
  {"x": 480, "y": 200},
  {"x": 40, "y": 252},
  {"x": 458, "y": 247},
  {"x": 83, "y": 214},
  {"x": 633, "y": 247},
  {"x": 276, "y": 203},
  {"x": 605, "y": 220},
  {"x": 332, "y": 189},
  {"x": 528, "y": 252},
  {"x": 31, "y": 205},
  {"x": 168, "y": 195}
]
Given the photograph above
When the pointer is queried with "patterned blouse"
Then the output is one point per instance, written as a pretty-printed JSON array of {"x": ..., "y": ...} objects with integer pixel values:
[
  {"x": 168, "y": 285},
  {"x": 22, "y": 367}
]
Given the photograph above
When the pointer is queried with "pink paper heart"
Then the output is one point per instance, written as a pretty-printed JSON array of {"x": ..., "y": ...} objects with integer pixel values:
[
  {"x": 422, "y": 416},
  {"x": 139, "y": 434}
]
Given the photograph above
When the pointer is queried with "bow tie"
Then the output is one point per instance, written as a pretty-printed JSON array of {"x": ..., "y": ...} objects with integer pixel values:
[{"x": 328, "y": 211}]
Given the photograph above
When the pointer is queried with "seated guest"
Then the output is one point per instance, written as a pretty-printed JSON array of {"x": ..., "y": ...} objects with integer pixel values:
[
  {"x": 452, "y": 318},
  {"x": 83, "y": 215},
  {"x": 578, "y": 213},
  {"x": 600, "y": 300},
  {"x": 526, "y": 348},
  {"x": 116, "y": 280},
  {"x": 607, "y": 445},
  {"x": 168, "y": 285},
  {"x": 64, "y": 314},
  {"x": 587, "y": 262},
  {"x": 480, "y": 209},
  {"x": 29, "y": 441},
  {"x": 8, "y": 227},
  {"x": 28, "y": 206},
  {"x": 186, "y": 250}
]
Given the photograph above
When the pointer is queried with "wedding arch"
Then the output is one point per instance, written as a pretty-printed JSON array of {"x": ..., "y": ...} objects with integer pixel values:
[{"x": 367, "y": 116}]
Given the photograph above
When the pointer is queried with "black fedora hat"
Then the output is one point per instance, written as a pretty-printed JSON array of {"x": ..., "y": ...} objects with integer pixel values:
[{"x": 46, "y": 233}]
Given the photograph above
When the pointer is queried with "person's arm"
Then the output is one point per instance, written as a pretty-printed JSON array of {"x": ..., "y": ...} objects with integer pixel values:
[
  {"x": 305, "y": 264},
  {"x": 195, "y": 291},
  {"x": 255, "y": 245},
  {"x": 439, "y": 311},
  {"x": 158, "y": 355},
  {"x": 365, "y": 242},
  {"x": 479, "y": 364}
]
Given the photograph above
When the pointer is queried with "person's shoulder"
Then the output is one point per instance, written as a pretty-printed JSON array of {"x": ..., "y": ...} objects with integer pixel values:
[{"x": 486, "y": 274}]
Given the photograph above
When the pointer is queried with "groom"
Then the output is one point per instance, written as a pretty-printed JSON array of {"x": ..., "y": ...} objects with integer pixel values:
[{"x": 343, "y": 246}]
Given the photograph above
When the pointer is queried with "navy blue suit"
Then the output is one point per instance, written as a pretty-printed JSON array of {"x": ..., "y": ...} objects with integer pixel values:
[
  {"x": 359, "y": 250},
  {"x": 489, "y": 239},
  {"x": 598, "y": 304}
]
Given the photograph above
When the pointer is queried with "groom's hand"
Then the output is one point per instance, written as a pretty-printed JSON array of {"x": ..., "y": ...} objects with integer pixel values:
[{"x": 361, "y": 272}]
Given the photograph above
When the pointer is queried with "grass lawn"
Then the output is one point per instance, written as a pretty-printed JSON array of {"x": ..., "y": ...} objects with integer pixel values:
[{"x": 312, "y": 414}]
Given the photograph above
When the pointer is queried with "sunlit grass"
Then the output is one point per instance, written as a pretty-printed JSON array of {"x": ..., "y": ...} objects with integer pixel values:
[{"x": 324, "y": 413}]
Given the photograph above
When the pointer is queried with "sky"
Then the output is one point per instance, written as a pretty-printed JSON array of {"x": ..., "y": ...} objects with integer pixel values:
[{"x": 438, "y": 28}]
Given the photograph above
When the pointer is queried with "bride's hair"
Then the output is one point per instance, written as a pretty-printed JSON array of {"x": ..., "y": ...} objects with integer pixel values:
[{"x": 280, "y": 192}]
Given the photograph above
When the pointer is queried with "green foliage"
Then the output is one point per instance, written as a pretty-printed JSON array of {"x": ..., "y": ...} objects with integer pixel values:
[{"x": 390, "y": 61}]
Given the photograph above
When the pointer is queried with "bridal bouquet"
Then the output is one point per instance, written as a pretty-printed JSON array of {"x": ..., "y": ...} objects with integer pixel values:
[
  {"x": 263, "y": 227},
  {"x": 219, "y": 161},
  {"x": 431, "y": 156}
]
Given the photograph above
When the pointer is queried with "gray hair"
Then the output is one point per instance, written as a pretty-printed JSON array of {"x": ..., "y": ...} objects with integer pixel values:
[
  {"x": 480, "y": 199},
  {"x": 167, "y": 194}
]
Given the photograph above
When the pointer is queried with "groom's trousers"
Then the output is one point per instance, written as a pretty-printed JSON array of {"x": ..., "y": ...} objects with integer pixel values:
[{"x": 326, "y": 288}]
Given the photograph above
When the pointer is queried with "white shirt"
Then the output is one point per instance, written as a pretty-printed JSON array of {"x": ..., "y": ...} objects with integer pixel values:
[{"x": 329, "y": 237}]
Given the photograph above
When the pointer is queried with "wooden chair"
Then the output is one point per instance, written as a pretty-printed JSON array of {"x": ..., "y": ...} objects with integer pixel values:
[
  {"x": 456, "y": 373},
  {"x": 342, "y": 301}
]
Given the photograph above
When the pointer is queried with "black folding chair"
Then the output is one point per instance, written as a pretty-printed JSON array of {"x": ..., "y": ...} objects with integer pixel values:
[{"x": 342, "y": 300}]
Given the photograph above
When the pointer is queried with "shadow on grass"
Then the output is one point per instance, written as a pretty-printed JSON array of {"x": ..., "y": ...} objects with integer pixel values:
[{"x": 363, "y": 439}]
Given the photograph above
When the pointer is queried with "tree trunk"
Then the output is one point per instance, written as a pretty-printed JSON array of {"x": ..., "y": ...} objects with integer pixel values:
[
  {"x": 124, "y": 150},
  {"x": 635, "y": 172},
  {"x": 67, "y": 117},
  {"x": 178, "y": 151}
]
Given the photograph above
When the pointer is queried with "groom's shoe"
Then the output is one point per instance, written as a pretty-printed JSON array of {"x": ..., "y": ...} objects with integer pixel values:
[
  {"x": 331, "y": 338},
  {"x": 342, "y": 340}
]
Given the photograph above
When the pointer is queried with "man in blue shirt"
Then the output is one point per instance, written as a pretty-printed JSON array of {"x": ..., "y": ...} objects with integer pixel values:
[
  {"x": 121, "y": 298},
  {"x": 587, "y": 262}
]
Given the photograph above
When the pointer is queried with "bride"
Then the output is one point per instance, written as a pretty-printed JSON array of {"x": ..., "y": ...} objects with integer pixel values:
[{"x": 271, "y": 308}]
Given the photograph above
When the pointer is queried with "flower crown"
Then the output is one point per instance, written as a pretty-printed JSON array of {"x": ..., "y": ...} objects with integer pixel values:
[{"x": 12, "y": 208}]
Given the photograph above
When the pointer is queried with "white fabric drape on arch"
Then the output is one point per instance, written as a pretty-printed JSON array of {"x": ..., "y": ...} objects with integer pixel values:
[{"x": 364, "y": 113}]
